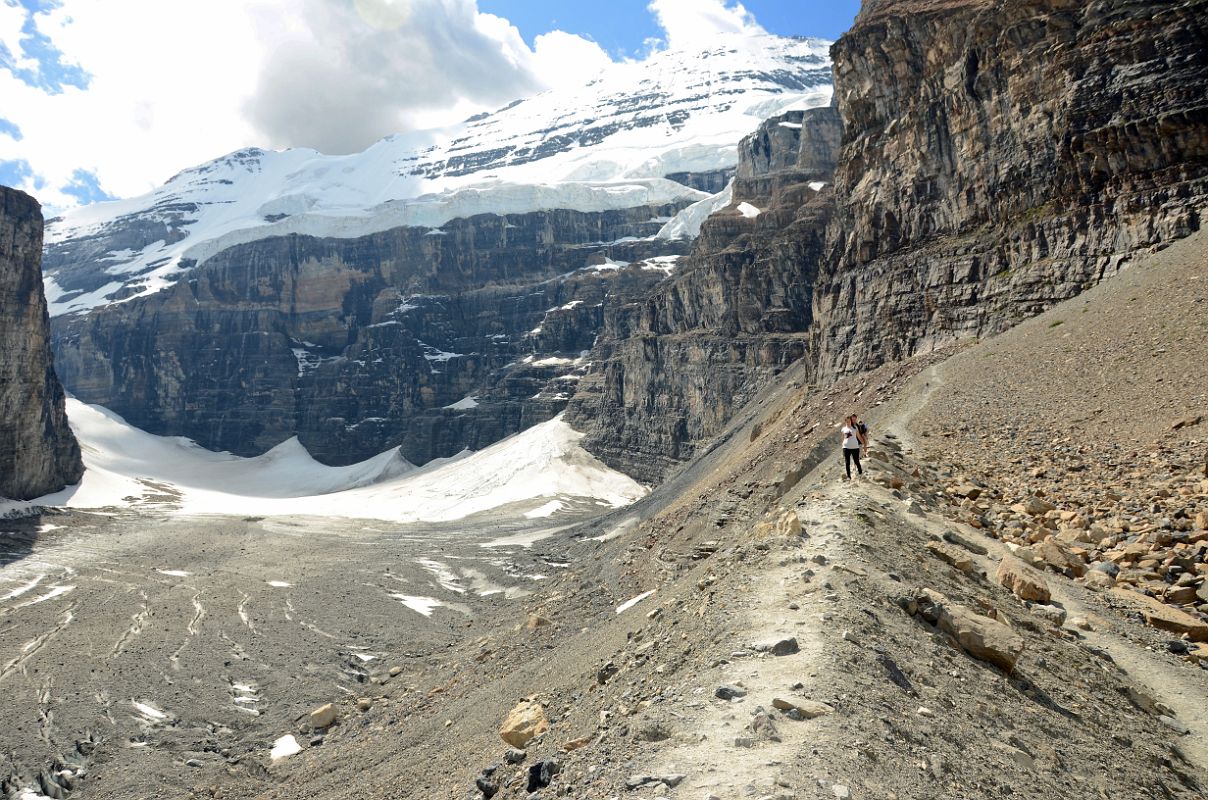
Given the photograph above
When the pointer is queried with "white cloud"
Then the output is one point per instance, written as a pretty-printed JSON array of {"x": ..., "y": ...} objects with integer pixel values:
[
  {"x": 176, "y": 84},
  {"x": 161, "y": 76},
  {"x": 12, "y": 18},
  {"x": 563, "y": 59},
  {"x": 693, "y": 23},
  {"x": 339, "y": 84}
]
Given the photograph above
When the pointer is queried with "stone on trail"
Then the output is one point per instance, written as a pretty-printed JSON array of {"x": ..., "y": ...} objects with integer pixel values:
[
  {"x": 650, "y": 781},
  {"x": 1174, "y": 725},
  {"x": 786, "y": 647},
  {"x": 952, "y": 537},
  {"x": 1054, "y": 615},
  {"x": 324, "y": 716},
  {"x": 486, "y": 783},
  {"x": 951, "y": 556},
  {"x": 981, "y": 637},
  {"x": 524, "y": 723},
  {"x": 763, "y": 727},
  {"x": 729, "y": 692},
  {"x": 808, "y": 709},
  {"x": 1059, "y": 558},
  {"x": 542, "y": 774},
  {"x": 535, "y": 621},
  {"x": 1036, "y": 506},
  {"x": 1189, "y": 421},
  {"x": 576, "y": 744},
  {"x": 514, "y": 755},
  {"x": 1025, "y": 582}
]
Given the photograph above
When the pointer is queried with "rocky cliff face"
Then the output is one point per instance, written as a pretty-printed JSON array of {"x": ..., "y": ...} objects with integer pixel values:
[
  {"x": 1000, "y": 157},
  {"x": 671, "y": 368},
  {"x": 997, "y": 157},
  {"x": 435, "y": 339},
  {"x": 38, "y": 453}
]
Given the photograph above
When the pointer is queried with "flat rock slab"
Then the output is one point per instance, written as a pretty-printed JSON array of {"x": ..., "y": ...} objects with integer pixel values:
[
  {"x": 1163, "y": 617},
  {"x": 952, "y": 556},
  {"x": 981, "y": 637},
  {"x": 806, "y": 708}
]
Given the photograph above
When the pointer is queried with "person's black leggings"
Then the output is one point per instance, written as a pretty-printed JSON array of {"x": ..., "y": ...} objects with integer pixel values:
[{"x": 850, "y": 453}]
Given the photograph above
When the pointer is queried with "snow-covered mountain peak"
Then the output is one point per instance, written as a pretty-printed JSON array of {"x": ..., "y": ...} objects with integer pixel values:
[{"x": 607, "y": 145}]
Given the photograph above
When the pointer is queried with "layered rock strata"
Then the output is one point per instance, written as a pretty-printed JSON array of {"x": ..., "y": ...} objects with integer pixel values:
[
  {"x": 997, "y": 157},
  {"x": 671, "y": 369},
  {"x": 1000, "y": 157},
  {"x": 435, "y": 339},
  {"x": 38, "y": 453}
]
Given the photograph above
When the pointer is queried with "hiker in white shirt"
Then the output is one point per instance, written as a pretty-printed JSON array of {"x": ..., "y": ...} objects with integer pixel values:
[{"x": 853, "y": 442}]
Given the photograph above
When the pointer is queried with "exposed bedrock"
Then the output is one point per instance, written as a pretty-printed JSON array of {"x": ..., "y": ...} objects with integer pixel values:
[
  {"x": 996, "y": 158},
  {"x": 1000, "y": 157},
  {"x": 671, "y": 369},
  {"x": 38, "y": 453},
  {"x": 358, "y": 345}
]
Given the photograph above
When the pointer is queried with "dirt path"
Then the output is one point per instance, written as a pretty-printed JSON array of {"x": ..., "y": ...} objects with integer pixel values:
[
  {"x": 729, "y": 759},
  {"x": 745, "y": 741}
]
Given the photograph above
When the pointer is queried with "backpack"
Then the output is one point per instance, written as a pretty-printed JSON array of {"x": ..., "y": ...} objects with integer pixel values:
[{"x": 863, "y": 428}]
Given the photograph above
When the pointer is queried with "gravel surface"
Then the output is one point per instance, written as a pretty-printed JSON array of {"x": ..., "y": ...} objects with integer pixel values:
[{"x": 695, "y": 690}]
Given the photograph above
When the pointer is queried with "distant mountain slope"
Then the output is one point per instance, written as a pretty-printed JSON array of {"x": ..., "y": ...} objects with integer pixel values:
[
  {"x": 609, "y": 145},
  {"x": 436, "y": 292}
]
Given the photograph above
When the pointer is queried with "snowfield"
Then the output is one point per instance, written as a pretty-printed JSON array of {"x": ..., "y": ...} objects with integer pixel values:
[
  {"x": 608, "y": 145},
  {"x": 127, "y": 467}
]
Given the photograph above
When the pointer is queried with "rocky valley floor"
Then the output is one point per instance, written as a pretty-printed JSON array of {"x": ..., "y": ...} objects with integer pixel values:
[{"x": 756, "y": 627}]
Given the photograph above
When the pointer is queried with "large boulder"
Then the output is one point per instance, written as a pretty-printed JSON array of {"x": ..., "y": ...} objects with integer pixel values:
[
  {"x": 524, "y": 723},
  {"x": 981, "y": 637},
  {"x": 1025, "y": 582}
]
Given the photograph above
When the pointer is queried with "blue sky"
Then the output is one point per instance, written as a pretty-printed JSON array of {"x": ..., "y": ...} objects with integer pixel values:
[
  {"x": 109, "y": 98},
  {"x": 622, "y": 26}
]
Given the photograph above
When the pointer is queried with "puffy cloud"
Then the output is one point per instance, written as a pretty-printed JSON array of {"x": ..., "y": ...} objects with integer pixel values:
[
  {"x": 345, "y": 75},
  {"x": 563, "y": 59},
  {"x": 12, "y": 21},
  {"x": 147, "y": 91},
  {"x": 115, "y": 97},
  {"x": 692, "y": 23}
]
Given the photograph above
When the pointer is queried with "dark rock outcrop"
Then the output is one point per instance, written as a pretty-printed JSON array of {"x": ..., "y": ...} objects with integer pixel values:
[
  {"x": 436, "y": 340},
  {"x": 1000, "y": 157},
  {"x": 671, "y": 369},
  {"x": 38, "y": 453}
]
